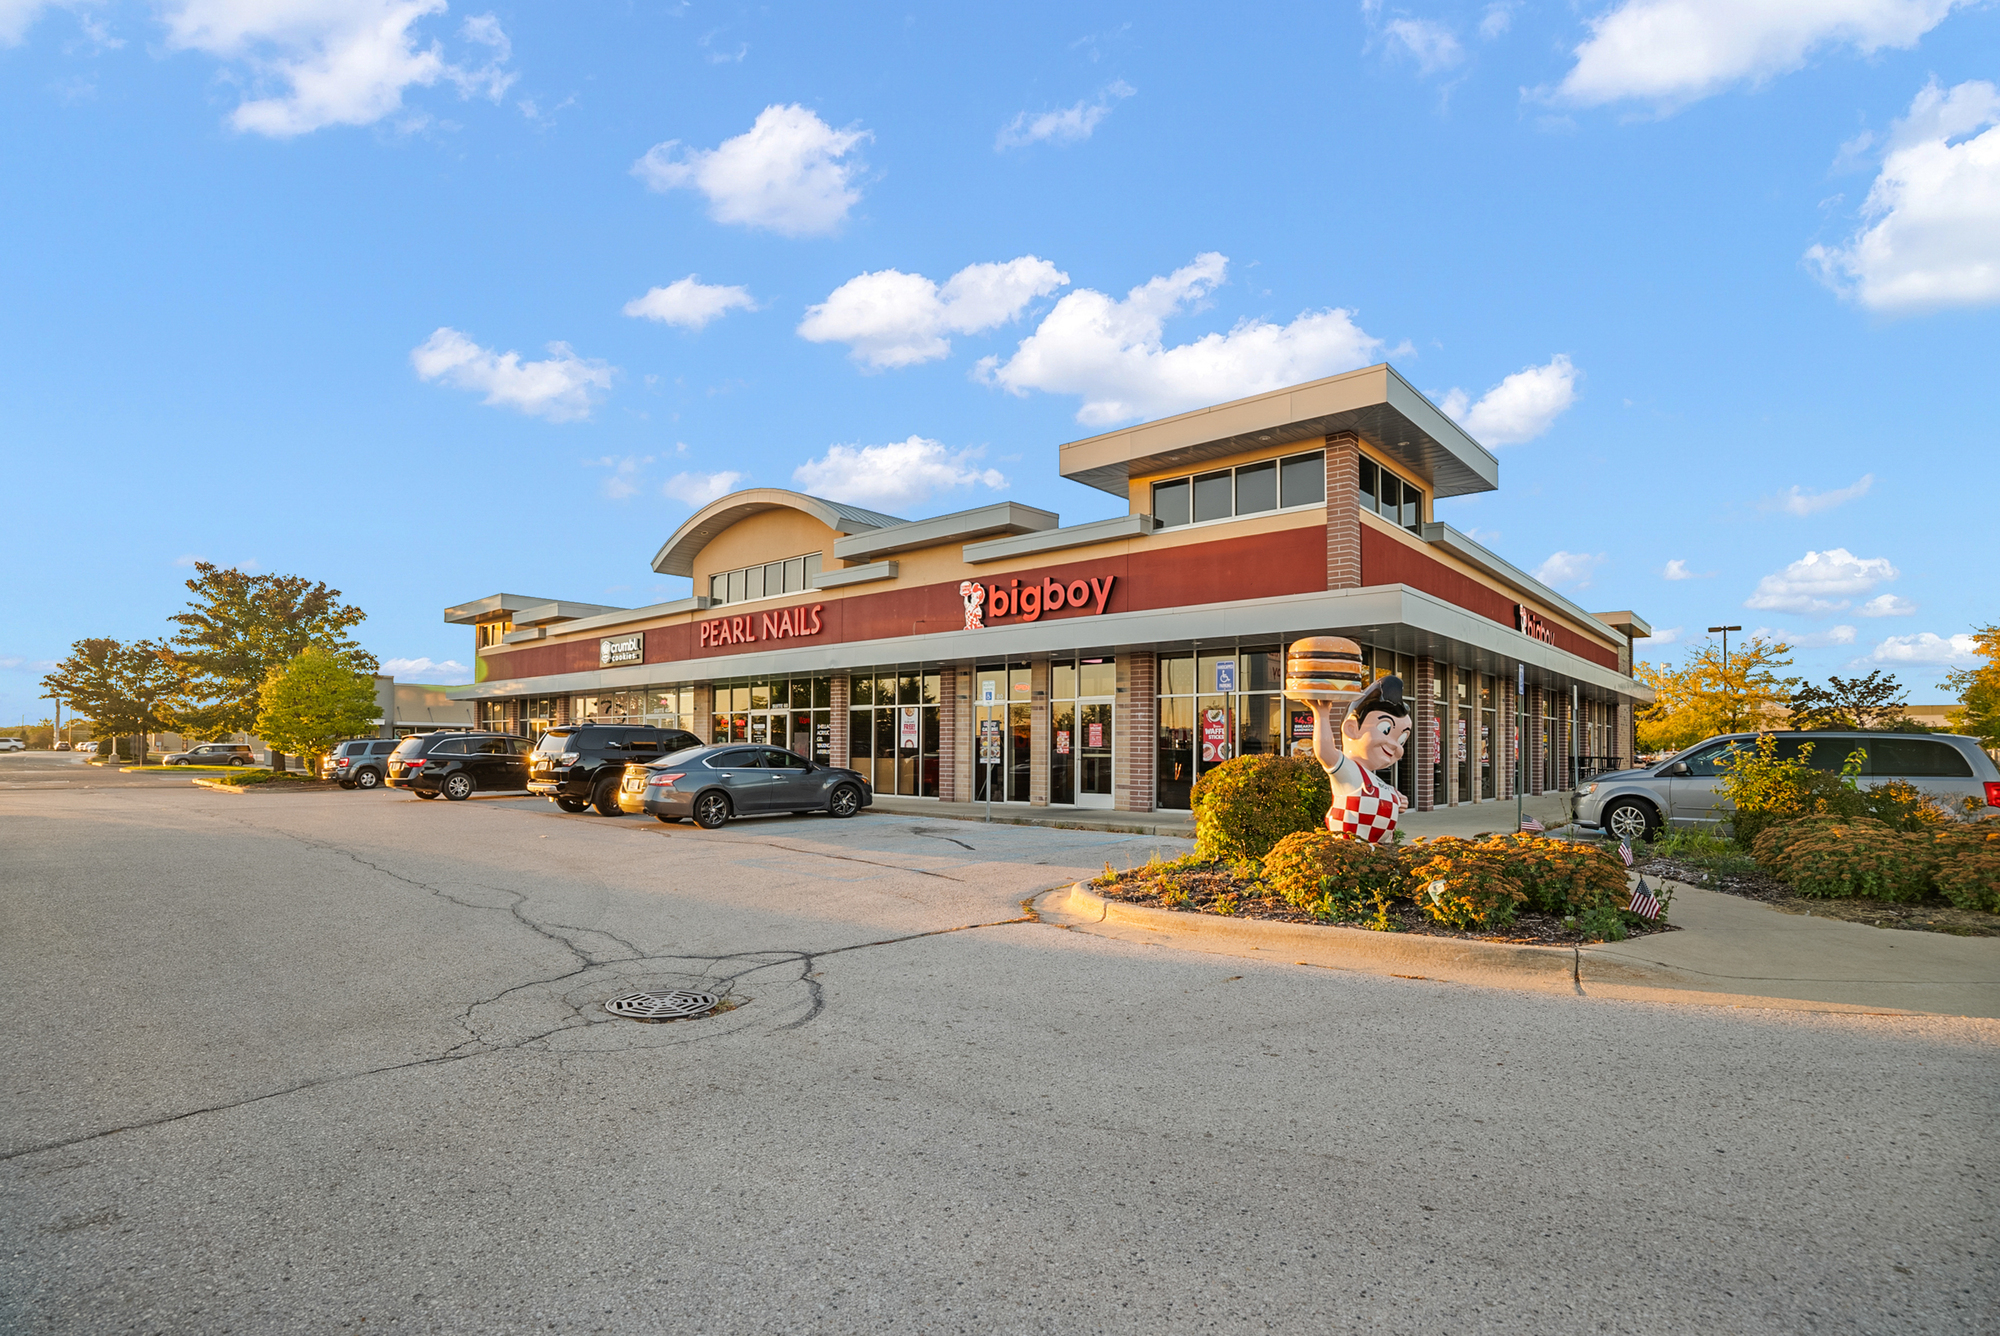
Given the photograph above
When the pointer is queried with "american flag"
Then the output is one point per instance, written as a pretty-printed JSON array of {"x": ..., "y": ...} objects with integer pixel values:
[
  {"x": 1533, "y": 826},
  {"x": 1643, "y": 904},
  {"x": 1625, "y": 852}
]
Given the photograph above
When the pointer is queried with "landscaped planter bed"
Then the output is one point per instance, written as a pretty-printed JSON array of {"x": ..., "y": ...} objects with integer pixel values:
[{"x": 1931, "y": 915}]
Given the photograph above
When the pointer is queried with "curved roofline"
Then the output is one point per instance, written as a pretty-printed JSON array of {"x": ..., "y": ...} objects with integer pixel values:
[{"x": 677, "y": 556}]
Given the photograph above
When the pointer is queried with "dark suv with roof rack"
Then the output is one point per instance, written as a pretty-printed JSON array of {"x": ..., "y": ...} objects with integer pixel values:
[{"x": 579, "y": 765}]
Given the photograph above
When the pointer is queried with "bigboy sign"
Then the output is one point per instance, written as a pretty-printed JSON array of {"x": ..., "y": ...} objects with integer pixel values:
[{"x": 1029, "y": 600}]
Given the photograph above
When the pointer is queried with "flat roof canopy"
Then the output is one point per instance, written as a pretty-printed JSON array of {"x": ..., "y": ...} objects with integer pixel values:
[{"x": 1375, "y": 403}]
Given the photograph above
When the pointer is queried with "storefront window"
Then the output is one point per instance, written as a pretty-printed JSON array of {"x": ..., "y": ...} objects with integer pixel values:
[
  {"x": 893, "y": 729},
  {"x": 1012, "y": 712},
  {"x": 1461, "y": 754},
  {"x": 783, "y": 712},
  {"x": 1489, "y": 737},
  {"x": 1216, "y": 705},
  {"x": 1081, "y": 699},
  {"x": 1253, "y": 489}
]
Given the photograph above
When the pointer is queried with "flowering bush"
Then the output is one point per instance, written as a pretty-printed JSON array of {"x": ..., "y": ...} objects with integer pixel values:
[
  {"x": 1968, "y": 866},
  {"x": 1464, "y": 884},
  {"x": 1562, "y": 876},
  {"x": 1242, "y": 808},
  {"x": 1774, "y": 844},
  {"x": 1848, "y": 859},
  {"x": 1766, "y": 790},
  {"x": 1331, "y": 877}
]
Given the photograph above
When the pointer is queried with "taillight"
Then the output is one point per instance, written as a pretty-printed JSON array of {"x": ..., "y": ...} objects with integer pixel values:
[
  {"x": 663, "y": 780},
  {"x": 568, "y": 758},
  {"x": 341, "y": 764},
  {"x": 1992, "y": 793},
  {"x": 413, "y": 765}
]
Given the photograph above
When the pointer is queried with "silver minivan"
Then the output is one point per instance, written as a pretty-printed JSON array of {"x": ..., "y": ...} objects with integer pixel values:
[{"x": 1681, "y": 790}]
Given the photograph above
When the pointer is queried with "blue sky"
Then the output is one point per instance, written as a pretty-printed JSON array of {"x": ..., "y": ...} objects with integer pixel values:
[{"x": 435, "y": 302}]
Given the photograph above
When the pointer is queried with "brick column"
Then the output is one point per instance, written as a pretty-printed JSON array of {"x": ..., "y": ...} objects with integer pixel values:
[
  {"x": 1624, "y": 746},
  {"x": 950, "y": 683},
  {"x": 1424, "y": 714},
  {"x": 1134, "y": 730},
  {"x": 1503, "y": 746},
  {"x": 968, "y": 757},
  {"x": 1343, "y": 512},
  {"x": 703, "y": 723},
  {"x": 837, "y": 753},
  {"x": 1538, "y": 755},
  {"x": 1038, "y": 733}
]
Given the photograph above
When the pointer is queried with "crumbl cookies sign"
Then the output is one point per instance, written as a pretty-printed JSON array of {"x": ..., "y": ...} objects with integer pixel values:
[{"x": 622, "y": 649}]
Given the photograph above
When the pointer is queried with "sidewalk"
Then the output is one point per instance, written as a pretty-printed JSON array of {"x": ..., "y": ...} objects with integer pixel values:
[{"x": 1470, "y": 819}]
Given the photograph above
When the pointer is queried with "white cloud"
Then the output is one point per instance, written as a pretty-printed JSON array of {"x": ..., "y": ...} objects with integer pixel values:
[
  {"x": 891, "y": 318},
  {"x": 1433, "y": 45},
  {"x": 1672, "y": 52},
  {"x": 1569, "y": 568},
  {"x": 623, "y": 480},
  {"x": 558, "y": 389},
  {"x": 338, "y": 62},
  {"x": 17, "y": 16},
  {"x": 1497, "y": 19},
  {"x": 698, "y": 489},
  {"x": 443, "y": 672},
  {"x": 1931, "y": 234},
  {"x": 1833, "y": 635},
  {"x": 1112, "y": 352},
  {"x": 894, "y": 476},
  {"x": 1519, "y": 408},
  {"x": 1888, "y": 605},
  {"x": 1071, "y": 125},
  {"x": 1658, "y": 638},
  {"x": 689, "y": 303},
  {"x": 1677, "y": 569},
  {"x": 1798, "y": 501},
  {"x": 1924, "y": 647},
  {"x": 790, "y": 172},
  {"x": 1820, "y": 582}
]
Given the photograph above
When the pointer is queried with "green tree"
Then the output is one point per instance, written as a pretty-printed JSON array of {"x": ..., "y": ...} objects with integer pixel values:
[
  {"x": 124, "y": 689},
  {"x": 1978, "y": 689},
  {"x": 237, "y": 629},
  {"x": 313, "y": 702},
  {"x": 1876, "y": 701},
  {"x": 1700, "y": 699}
]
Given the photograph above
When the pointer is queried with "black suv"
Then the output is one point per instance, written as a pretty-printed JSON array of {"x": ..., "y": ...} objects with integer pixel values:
[
  {"x": 459, "y": 764},
  {"x": 579, "y": 765}
]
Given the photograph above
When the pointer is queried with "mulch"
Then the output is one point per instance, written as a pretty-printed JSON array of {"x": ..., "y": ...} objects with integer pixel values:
[{"x": 1761, "y": 886}]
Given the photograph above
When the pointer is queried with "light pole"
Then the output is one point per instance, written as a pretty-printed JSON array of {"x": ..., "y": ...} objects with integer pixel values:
[{"x": 1725, "y": 669}]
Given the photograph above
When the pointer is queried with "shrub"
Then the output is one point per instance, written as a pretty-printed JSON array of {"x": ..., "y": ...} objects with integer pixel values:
[
  {"x": 1702, "y": 849},
  {"x": 1968, "y": 867},
  {"x": 1903, "y": 806},
  {"x": 1766, "y": 790},
  {"x": 1463, "y": 884},
  {"x": 1601, "y": 925},
  {"x": 1842, "y": 859},
  {"x": 1561, "y": 876},
  {"x": 1330, "y": 877},
  {"x": 1773, "y": 846},
  {"x": 1245, "y": 806}
]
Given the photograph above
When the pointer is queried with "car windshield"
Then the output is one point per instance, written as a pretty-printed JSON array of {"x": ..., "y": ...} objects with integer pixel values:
[
  {"x": 553, "y": 744},
  {"x": 677, "y": 755}
]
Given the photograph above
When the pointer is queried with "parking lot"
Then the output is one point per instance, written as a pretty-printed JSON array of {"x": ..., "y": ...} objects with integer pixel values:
[{"x": 324, "y": 1061}]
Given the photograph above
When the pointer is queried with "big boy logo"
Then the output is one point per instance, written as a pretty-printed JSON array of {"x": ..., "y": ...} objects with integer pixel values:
[
  {"x": 1030, "y": 600},
  {"x": 1532, "y": 626}
]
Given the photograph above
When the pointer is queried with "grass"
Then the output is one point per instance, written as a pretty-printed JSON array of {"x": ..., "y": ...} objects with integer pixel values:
[
  {"x": 1699, "y": 848},
  {"x": 252, "y": 777},
  {"x": 178, "y": 769}
]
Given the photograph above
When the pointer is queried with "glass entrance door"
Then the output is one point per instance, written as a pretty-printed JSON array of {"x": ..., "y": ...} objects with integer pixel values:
[{"x": 1093, "y": 753}]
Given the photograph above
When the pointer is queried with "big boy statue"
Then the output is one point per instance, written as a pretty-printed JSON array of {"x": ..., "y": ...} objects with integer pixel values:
[{"x": 1325, "y": 672}]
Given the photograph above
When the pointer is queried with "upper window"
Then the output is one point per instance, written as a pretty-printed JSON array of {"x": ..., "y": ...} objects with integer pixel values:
[
  {"x": 1385, "y": 494},
  {"x": 491, "y": 632},
  {"x": 771, "y": 580},
  {"x": 1251, "y": 489}
]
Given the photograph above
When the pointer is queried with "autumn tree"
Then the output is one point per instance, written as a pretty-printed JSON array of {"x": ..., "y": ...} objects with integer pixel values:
[
  {"x": 1978, "y": 689},
  {"x": 238, "y": 628},
  {"x": 1877, "y": 701},
  {"x": 124, "y": 688},
  {"x": 1702, "y": 697},
  {"x": 313, "y": 702}
]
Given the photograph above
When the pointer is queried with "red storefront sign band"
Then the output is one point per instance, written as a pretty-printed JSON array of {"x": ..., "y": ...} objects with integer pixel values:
[
  {"x": 1030, "y": 601},
  {"x": 781, "y": 625}
]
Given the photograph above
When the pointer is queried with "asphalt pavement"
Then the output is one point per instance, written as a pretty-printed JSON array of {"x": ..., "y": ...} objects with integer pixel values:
[{"x": 338, "y": 1061}]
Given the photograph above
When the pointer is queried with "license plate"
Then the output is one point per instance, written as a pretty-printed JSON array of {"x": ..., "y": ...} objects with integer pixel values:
[{"x": 634, "y": 785}]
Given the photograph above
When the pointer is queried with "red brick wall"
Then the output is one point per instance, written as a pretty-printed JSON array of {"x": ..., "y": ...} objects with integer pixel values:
[{"x": 1343, "y": 512}]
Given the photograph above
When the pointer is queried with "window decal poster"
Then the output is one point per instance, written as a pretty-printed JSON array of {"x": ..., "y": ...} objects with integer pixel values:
[
  {"x": 1093, "y": 735},
  {"x": 1214, "y": 736},
  {"x": 909, "y": 730},
  {"x": 1062, "y": 742}
]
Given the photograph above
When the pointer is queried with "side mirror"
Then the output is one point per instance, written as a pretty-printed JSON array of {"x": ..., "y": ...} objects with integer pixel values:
[{"x": 1678, "y": 770}]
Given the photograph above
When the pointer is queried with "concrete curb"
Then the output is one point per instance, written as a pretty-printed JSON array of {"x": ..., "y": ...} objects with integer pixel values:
[
  {"x": 223, "y": 786},
  {"x": 1339, "y": 947}
]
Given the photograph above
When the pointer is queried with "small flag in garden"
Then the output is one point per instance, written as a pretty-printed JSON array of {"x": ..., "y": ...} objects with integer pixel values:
[
  {"x": 1533, "y": 826},
  {"x": 1625, "y": 852},
  {"x": 1643, "y": 904}
]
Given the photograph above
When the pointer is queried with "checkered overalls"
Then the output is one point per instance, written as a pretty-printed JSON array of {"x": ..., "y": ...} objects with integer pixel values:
[{"x": 1368, "y": 815}]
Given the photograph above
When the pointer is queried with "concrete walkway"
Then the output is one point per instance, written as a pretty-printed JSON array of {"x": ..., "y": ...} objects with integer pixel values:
[{"x": 1469, "y": 819}]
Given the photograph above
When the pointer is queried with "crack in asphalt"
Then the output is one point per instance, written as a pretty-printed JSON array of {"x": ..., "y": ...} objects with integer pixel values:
[{"x": 475, "y": 1045}]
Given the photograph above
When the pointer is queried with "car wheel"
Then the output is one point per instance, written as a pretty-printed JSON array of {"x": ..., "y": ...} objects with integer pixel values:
[
  {"x": 424, "y": 795},
  {"x": 458, "y": 787},
  {"x": 846, "y": 801},
  {"x": 711, "y": 810},
  {"x": 605, "y": 797},
  {"x": 1630, "y": 820},
  {"x": 571, "y": 804},
  {"x": 367, "y": 779}
]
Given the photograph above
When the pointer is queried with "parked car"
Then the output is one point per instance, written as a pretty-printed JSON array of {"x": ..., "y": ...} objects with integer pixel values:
[
  {"x": 12, "y": 744},
  {"x": 60, "y": 746},
  {"x": 1682, "y": 790},
  {"x": 360, "y": 764},
  {"x": 459, "y": 764},
  {"x": 212, "y": 753},
  {"x": 579, "y": 765},
  {"x": 712, "y": 784}
]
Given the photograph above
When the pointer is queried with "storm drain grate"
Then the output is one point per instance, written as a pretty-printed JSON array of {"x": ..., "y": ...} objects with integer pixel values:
[{"x": 675, "y": 1004}]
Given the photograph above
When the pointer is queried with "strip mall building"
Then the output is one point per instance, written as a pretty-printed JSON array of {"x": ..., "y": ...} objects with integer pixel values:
[{"x": 1106, "y": 664}]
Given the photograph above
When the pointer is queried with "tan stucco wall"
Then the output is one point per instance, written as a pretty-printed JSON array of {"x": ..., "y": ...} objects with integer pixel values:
[{"x": 770, "y": 535}]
